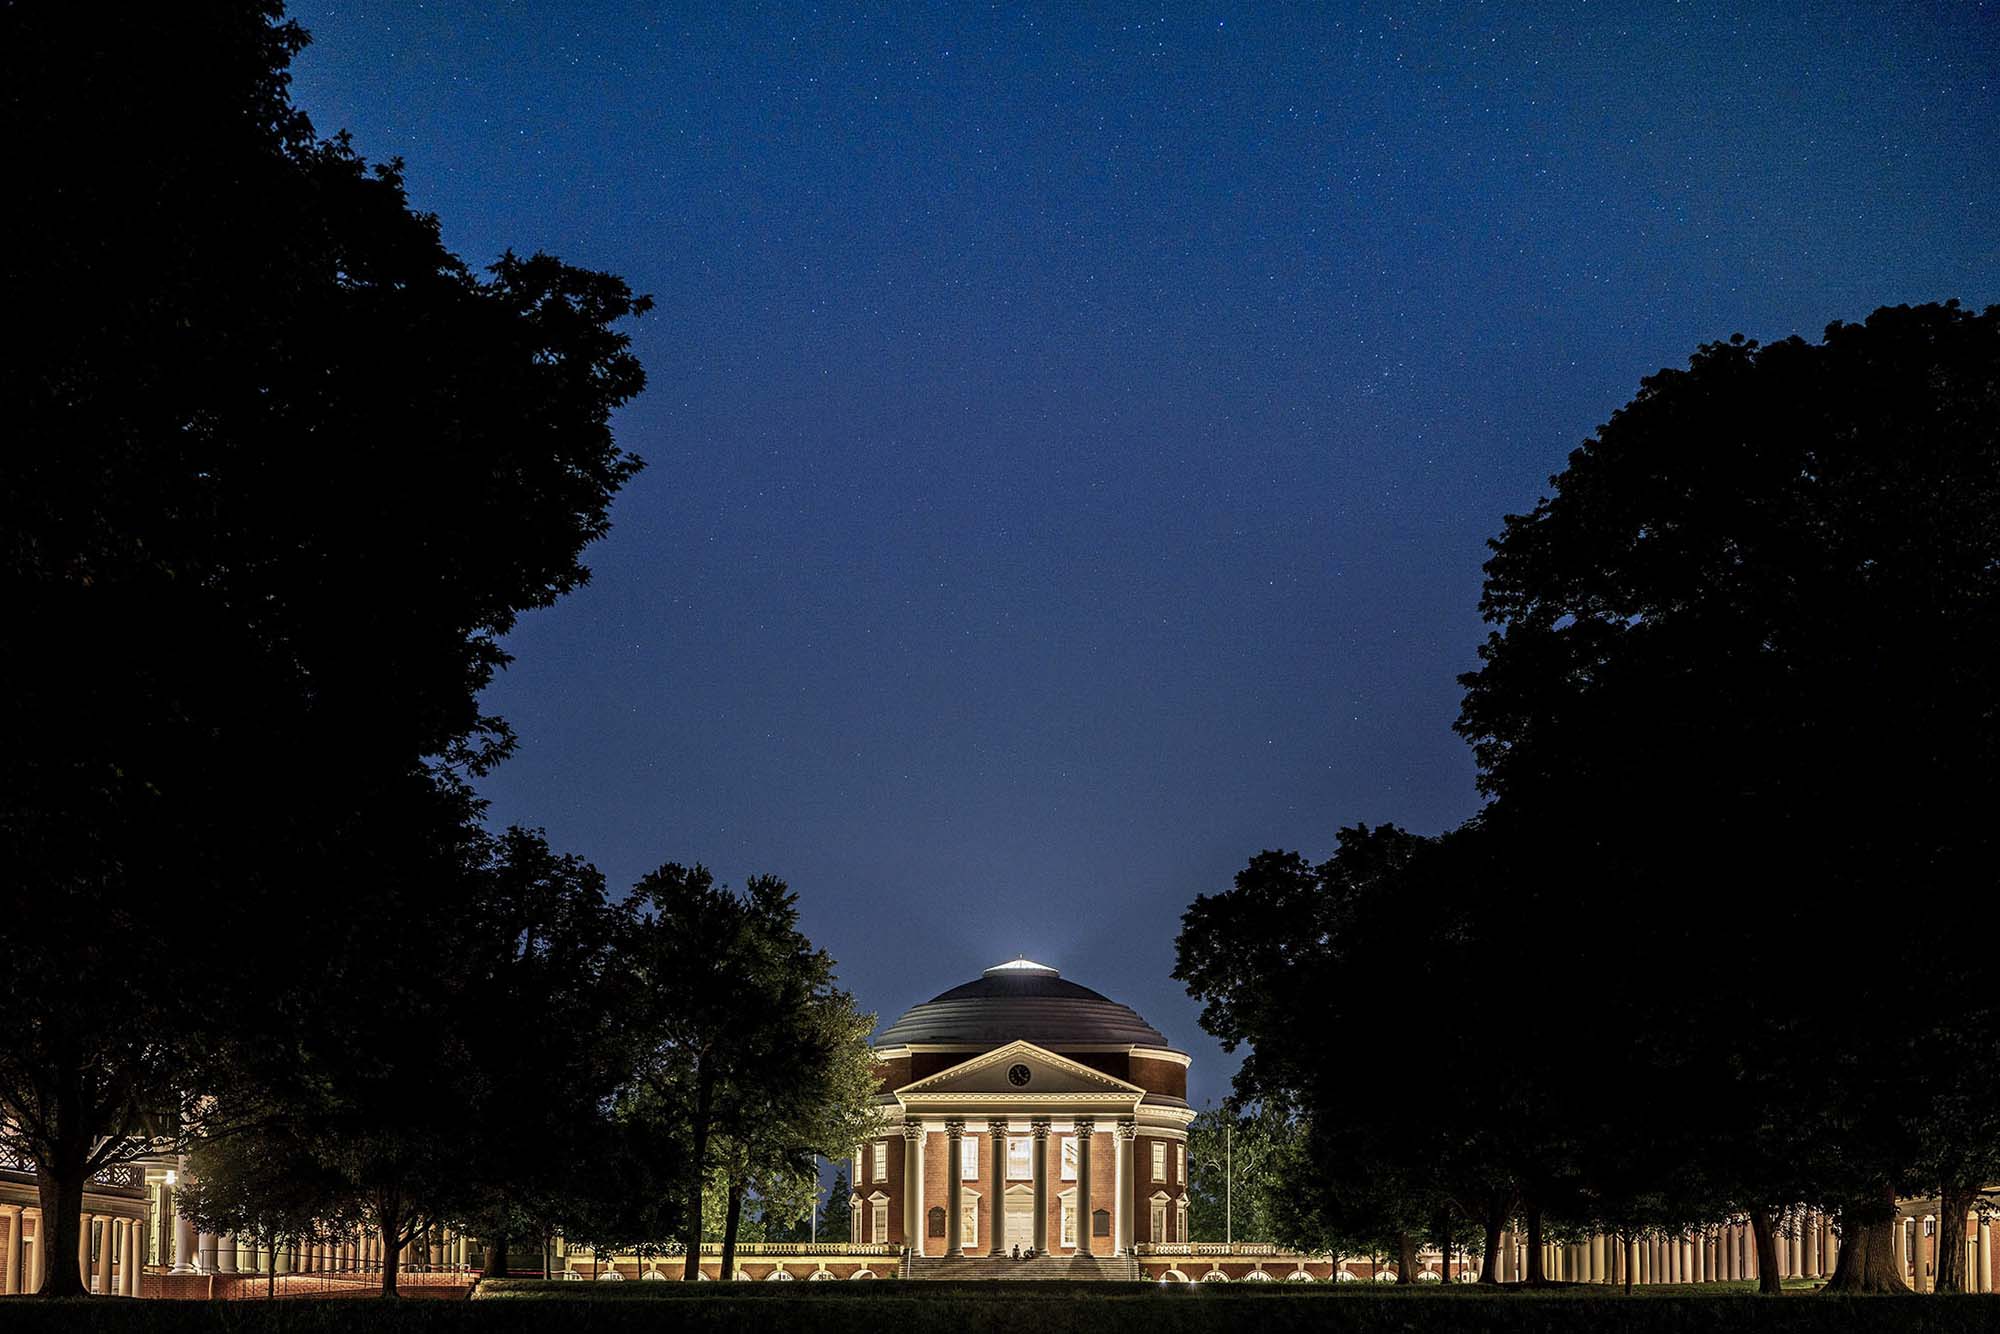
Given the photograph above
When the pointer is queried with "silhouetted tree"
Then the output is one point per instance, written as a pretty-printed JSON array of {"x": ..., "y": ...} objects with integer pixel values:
[
  {"x": 541, "y": 1027},
  {"x": 1744, "y": 646},
  {"x": 281, "y": 471}
]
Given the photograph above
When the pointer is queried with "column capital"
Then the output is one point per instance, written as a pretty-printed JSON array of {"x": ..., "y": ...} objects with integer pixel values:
[
  {"x": 997, "y": 1126},
  {"x": 1040, "y": 1126},
  {"x": 913, "y": 1130},
  {"x": 1128, "y": 1131},
  {"x": 1085, "y": 1125},
  {"x": 955, "y": 1129}
]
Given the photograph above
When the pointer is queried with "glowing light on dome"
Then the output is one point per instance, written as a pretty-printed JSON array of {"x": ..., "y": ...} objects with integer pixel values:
[{"x": 1021, "y": 964}]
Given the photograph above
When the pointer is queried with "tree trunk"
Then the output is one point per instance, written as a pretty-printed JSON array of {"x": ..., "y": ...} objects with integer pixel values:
[
  {"x": 1406, "y": 1257},
  {"x": 1536, "y": 1277},
  {"x": 496, "y": 1257},
  {"x": 391, "y": 1255},
  {"x": 271, "y": 1272},
  {"x": 1489, "y": 1259},
  {"x": 1625, "y": 1262},
  {"x": 1867, "y": 1248},
  {"x": 1443, "y": 1228},
  {"x": 60, "y": 1185},
  {"x": 1953, "y": 1275},
  {"x": 1764, "y": 1229},
  {"x": 697, "y": 1169},
  {"x": 729, "y": 1222}
]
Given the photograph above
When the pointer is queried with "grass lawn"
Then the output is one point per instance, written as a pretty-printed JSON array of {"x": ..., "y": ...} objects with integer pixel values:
[{"x": 886, "y": 1306}]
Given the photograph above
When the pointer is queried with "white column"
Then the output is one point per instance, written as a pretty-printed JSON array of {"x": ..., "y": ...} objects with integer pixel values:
[
  {"x": 921, "y": 1191},
  {"x": 1086, "y": 1132},
  {"x": 83, "y": 1247},
  {"x": 37, "y": 1254},
  {"x": 135, "y": 1251},
  {"x": 1985, "y": 1275},
  {"x": 1121, "y": 1186},
  {"x": 184, "y": 1245},
  {"x": 954, "y": 1175},
  {"x": 10, "y": 1214},
  {"x": 913, "y": 1145},
  {"x": 105, "y": 1250},
  {"x": 1039, "y": 1128}
]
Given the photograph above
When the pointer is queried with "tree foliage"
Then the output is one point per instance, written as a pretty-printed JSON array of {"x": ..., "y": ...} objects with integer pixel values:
[
  {"x": 754, "y": 1059},
  {"x": 1735, "y": 721},
  {"x": 282, "y": 470}
]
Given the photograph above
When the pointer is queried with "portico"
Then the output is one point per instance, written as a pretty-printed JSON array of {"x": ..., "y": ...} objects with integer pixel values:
[{"x": 1013, "y": 1139}]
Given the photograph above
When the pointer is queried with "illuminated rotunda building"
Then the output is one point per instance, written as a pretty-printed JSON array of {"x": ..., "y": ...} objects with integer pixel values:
[{"x": 1023, "y": 1111}]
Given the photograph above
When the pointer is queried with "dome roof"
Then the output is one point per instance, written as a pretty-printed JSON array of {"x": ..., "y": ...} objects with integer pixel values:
[{"x": 1021, "y": 1000}]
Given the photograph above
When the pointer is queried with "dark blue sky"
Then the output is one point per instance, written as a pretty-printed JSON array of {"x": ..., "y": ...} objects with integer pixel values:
[{"x": 1072, "y": 437}]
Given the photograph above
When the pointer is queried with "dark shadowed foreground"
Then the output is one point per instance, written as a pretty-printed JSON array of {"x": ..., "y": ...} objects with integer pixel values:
[{"x": 881, "y": 1308}]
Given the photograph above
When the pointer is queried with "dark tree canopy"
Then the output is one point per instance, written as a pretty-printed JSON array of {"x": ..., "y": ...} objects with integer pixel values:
[
  {"x": 281, "y": 470},
  {"x": 1745, "y": 646},
  {"x": 1714, "y": 947}
]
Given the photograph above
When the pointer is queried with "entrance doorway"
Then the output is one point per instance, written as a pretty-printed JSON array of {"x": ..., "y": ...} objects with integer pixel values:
[{"x": 1020, "y": 1219}]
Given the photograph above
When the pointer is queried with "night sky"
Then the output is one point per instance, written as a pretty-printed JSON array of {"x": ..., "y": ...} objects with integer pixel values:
[{"x": 1072, "y": 438}]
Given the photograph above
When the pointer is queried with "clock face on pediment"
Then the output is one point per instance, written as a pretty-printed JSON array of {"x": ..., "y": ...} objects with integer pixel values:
[{"x": 1019, "y": 1071}]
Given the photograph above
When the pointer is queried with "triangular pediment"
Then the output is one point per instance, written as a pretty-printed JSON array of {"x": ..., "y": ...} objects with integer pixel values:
[{"x": 999, "y": 1074}]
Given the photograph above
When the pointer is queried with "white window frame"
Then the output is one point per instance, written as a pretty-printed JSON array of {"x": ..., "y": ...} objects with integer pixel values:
[
  {"x": 968, "y": 1219},
  {"x": 1180, "y": 1163},
  {"x": 878, "y": 1219},
  {"x": 1020, "y": 1158},
  {"x": 1159, "y": 1217},
  {"x": 1159, "y": 1160},
  {"x": 1180, "y": 1218},
  {"x": 1067, "y": 1157},
  {"x": 968, "y": 1158},
  {"x": 879, "y": 1159},
  {"x": 1066, "y": 1227}
]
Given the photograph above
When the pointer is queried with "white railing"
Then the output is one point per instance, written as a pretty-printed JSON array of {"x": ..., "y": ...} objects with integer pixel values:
[
  {"x": 1222, "y": 1249},
  {"x": 761, "y": 1248}
]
